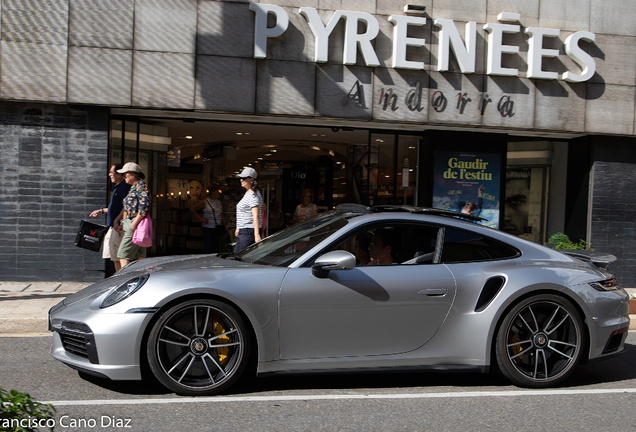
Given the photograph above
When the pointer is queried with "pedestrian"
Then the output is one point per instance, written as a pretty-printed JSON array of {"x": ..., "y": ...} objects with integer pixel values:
[
  {"x": 112, "y": 240},
  {"x": 306, "y": 208},
  {"x": 248, "y": 211},
  {"x": 213, "y": 220},
  {"x": 136, "y": 207}
]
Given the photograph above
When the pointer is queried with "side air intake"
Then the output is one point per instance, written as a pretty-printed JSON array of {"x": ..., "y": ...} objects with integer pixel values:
[{"x": 489, "y": 291}]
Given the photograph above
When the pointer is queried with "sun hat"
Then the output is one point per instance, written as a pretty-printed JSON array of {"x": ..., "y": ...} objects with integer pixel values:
[
  {"x": 248, "y": 172},
  {"x": 128, "y": 167}
]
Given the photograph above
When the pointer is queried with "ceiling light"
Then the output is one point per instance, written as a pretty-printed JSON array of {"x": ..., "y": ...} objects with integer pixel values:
[
  {"x": 313, "y": 135},
  {"x": 268, "y": 154},
  {"x": 260, "y": 158},
  {"x": 315, "y": 148},
  {"x": 239, "y": 133},
  {"x": 273, "y": 151},
  {"x": 188, "y": 137}
]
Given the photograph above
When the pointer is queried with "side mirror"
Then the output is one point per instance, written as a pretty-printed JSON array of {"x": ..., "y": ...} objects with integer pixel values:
[{"x": 335, "y": 260}]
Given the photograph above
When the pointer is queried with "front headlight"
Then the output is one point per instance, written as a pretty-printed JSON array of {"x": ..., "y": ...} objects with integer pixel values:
[
  {"x": 124, "y": 290},
  {"x": 606, "y": 285}
]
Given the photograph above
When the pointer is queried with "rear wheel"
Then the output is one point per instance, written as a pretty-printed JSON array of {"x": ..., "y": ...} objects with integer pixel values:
[
  {"x": 199, "y": 347},
  {"x": 540, "y": 342}
]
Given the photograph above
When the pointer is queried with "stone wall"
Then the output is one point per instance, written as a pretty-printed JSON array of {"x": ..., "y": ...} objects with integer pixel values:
[
  {"x": 199, "y": 54},
  {"x": 613, "y": 205},
  {"x": 53, "y": 166}
]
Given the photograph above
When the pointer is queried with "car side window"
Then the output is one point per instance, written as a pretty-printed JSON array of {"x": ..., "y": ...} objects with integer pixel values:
[
  {"x": 467, "y": 246},
  {"x": 392, "y": 243}
]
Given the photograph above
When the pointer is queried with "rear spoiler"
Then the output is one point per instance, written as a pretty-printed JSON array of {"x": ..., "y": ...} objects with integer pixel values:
[{"x": 599, "y": 259}]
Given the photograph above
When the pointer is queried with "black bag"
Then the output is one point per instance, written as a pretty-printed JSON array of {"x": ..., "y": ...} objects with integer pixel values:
[{"x": 90, "y": 235}]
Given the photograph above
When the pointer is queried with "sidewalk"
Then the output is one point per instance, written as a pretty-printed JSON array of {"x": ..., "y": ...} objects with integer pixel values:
[{"x": 24, "y": 306}]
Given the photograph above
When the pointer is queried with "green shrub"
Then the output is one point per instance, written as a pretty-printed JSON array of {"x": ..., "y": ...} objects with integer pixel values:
[
  {"x": 20, "y": 413},
  {"x": 562, "y": 241}
]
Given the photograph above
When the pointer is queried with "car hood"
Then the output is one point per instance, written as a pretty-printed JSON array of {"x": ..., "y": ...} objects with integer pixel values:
[
  {"x": 152, "y": 265},
  {"x": 180, "y": 262}
]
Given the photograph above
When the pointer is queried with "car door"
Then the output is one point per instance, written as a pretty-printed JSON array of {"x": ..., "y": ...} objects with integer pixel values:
[{"x": 368, "y": 310}]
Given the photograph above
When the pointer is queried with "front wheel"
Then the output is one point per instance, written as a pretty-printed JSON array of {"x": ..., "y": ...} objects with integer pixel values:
[
  {"x": 540, "y": 341},
  {"x": 199, "y": 347}
]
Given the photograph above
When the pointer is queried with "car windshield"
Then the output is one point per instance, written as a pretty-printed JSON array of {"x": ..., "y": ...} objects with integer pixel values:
[{"x": 284, "y": 247}]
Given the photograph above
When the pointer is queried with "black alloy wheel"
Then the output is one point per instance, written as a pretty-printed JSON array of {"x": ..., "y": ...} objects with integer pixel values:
[
  {"x": 540, "y": 341},
  {"x": 199, "y": 347}
]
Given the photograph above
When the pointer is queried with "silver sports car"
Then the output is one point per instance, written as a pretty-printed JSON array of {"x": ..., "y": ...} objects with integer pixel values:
[{"x": 382, "y": 288}]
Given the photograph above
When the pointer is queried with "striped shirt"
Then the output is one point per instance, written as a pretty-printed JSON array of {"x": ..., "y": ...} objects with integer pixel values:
[{"x": 244, "y": 217}]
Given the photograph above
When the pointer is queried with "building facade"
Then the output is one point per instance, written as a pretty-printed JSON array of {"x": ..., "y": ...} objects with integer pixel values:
[{"x": 521, "y": 111}]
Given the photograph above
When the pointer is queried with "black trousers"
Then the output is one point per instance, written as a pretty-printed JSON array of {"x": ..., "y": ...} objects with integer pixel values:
[{"x": 244, "y": 239}]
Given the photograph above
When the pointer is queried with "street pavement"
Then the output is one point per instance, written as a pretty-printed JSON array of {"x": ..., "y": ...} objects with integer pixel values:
[{"x": 24, "y": 306}]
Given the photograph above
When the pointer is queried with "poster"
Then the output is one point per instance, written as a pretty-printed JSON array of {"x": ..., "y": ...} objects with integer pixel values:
[{"x": 468, "y": 183}]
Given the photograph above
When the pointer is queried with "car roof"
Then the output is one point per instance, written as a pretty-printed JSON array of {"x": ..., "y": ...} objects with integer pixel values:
[{"x": 362, "y": 209}]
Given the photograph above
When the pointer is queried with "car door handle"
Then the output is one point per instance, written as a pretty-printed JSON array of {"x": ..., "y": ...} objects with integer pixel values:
[{"x": 433, "y": 292}]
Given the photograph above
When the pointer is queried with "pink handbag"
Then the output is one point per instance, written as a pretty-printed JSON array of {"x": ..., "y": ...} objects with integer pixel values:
[{"x": 143, "y": 233}]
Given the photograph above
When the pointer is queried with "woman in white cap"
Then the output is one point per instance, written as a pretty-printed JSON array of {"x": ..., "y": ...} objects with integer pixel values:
[
  {"x": 248, "y": 211},
  {"x": 136, "y": 206}
]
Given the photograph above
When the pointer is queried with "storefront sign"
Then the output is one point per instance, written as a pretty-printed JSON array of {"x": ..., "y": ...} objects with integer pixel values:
[
  {"x": 468, "y": 183},
  {"x": 448, "y": 36},
  {"x": 270, "y": 167},
  {"x": 174, "y": 156}
]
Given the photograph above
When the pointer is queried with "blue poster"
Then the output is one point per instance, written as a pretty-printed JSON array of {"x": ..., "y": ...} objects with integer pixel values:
[{"x": 468, "y": 183}]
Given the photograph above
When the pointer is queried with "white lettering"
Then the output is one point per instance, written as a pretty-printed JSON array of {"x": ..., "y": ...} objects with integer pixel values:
[
  {"x": 496, "y": 48},
  {"x": 583, "y": 59},
  {"x": 536, "y": 52},
  {"x": 261, "y": 31},
  {"x": 449, "y": 37},
  {"x": 320, "y": 31},
  {"x": 401, "y": 41},
  {"x": 353, "y": 39}
]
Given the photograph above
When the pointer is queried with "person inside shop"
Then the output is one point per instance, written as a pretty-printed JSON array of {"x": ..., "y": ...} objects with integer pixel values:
[
  {"x": 248, "y": 211},
  {"x": 112, "y": 240},
  {"x": 136, "y": 207},
  {"x": 213, "y": 219},
  {"x": 276, "y": 217},
  {"x": 385, "y": 246},
  {"x": 306, "y": 208}
]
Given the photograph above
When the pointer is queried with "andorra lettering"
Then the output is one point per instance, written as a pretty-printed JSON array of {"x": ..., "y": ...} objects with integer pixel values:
[{"x": 448, "y": 36}]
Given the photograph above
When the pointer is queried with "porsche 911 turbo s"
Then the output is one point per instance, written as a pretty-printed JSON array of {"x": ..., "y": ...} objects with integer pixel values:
[{"x": 354, "y": 289}]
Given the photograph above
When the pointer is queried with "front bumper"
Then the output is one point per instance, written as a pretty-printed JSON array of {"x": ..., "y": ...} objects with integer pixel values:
[{"x": 98, "y": 343}]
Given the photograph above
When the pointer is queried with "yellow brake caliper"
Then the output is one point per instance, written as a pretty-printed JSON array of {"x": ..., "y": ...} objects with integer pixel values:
[
  {"x": 222, "y": 352},
  {"x": 516, "y": 349}
]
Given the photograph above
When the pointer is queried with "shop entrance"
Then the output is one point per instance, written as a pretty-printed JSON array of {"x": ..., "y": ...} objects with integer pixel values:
[{"x": 186, "y": 160}]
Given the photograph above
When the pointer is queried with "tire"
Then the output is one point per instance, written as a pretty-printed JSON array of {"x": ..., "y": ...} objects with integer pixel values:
[
  {"x": 540, "y": 341},
  {"x": 203, "y": 358}
]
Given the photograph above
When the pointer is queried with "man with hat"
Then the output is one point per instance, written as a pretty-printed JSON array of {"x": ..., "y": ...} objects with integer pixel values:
[{"x": 113, "y": 237}]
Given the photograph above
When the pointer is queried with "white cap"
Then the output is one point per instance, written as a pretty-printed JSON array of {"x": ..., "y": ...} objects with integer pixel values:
[
  {"x": 130, "y": 166},
  {"x": 248, "y": 172}
]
